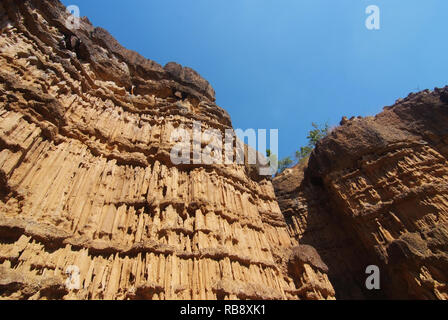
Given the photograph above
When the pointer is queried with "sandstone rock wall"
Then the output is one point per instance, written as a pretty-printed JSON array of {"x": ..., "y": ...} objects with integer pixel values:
[
  {"x": 87, "y": 181},
  {"x": 375, "y": 193},
  {"x": 87, "y": 185}
]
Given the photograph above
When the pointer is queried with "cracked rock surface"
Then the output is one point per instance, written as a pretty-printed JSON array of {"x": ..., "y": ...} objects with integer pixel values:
[
  {"x": 375, "y": 192},
  {"x": 86, "y": 179}
]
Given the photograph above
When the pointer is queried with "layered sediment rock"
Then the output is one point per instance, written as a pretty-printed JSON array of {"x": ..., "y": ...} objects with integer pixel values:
[
  {"x": 375, "y": 192},
  {"x": 88, "y": 191},
  {"x": 92, "y": 206}
]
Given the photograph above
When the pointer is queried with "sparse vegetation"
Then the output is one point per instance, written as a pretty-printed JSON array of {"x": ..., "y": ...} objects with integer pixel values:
[
  {"x": 284, "y": 164},
  {"x": 314, "y": 136},
  {"x": 272, "y": 157}
]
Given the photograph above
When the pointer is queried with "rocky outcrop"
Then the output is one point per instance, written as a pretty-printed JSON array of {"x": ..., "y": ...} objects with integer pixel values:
[
  {"x": 92, "y": 206},
  {"x": 375, "y": 192},
  {"x": 89, "y": 195},
  {"x": 310, "y": 272}
]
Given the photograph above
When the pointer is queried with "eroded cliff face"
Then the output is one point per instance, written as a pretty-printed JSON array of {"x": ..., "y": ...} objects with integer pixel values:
[
  {"x": 87, "y": 186},
  {"x": 88, "y": 191},
  {"x": 375, "y": 192}
]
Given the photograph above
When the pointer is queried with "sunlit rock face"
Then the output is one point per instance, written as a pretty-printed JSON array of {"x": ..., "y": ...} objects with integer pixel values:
[
  {"x": 91, "y": 205},
  {"x": 375, "y": 192}
]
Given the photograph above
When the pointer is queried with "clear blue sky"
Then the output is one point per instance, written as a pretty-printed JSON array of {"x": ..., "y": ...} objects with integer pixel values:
[{"x": 286, "y": 63}]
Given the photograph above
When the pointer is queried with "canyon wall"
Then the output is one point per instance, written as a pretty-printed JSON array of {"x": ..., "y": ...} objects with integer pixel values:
[
  {"x": 375, "y": 192},
  {"x": 91, "y": 205}
]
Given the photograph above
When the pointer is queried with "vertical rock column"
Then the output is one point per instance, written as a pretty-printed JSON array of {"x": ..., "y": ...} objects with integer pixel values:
[
  {"x": 375, "y": 193},
  {"x": 88, "y": 187}
]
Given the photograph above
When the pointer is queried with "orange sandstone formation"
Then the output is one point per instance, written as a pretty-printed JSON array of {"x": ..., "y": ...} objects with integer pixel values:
[{"x": 88, "y": 187}]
